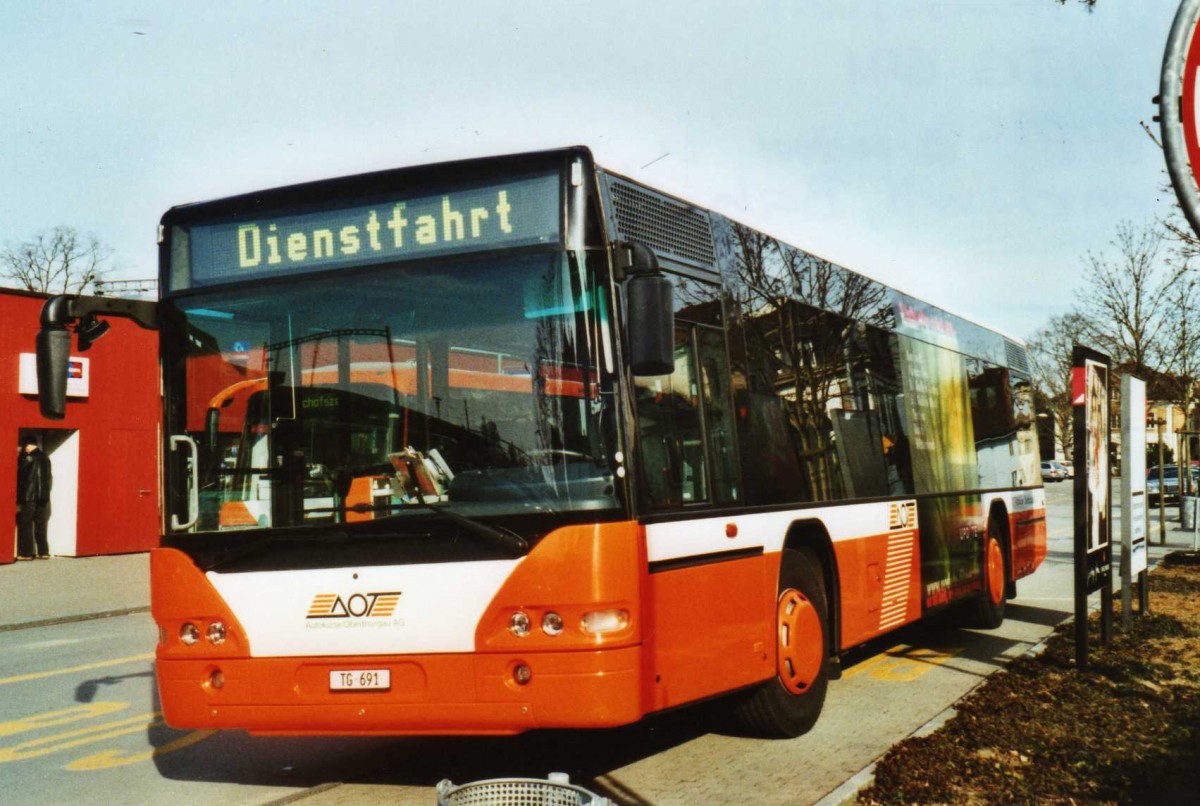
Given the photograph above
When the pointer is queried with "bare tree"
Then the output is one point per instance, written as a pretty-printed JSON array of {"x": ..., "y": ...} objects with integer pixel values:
[
  {"x": 1182, "y": 360},
  {"x": 59, "y": 260},
  {"x": 1126, "y": 299},
  {"x": 1050, "y": 358}
]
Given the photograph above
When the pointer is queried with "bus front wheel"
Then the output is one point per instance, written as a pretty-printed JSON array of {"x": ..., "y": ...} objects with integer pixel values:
[{"x": 788, "y": 705}]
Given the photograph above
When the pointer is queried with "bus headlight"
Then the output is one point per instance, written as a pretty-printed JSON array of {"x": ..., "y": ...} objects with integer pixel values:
[
  {"x": 600, "y": 622},
  {"x": 216, "y": 633},
  {"x": 518, "y": 624},
  {"x": 189, "y": 634},
  {"x": 552, "y": 623}
]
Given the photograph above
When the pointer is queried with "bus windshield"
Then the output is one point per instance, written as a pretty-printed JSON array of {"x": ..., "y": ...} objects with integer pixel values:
[{"x": 483, "y": 384}]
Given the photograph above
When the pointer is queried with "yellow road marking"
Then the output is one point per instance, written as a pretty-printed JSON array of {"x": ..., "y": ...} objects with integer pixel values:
[
  {"x": 50, "y": 719},
  {"x": 107, "y": 759},
  {"x": 104, "y": 759},
  {"x": 901, "y": 664},
  {"x": 21, "y": 678},
  {"x": 74, "y": 738}
]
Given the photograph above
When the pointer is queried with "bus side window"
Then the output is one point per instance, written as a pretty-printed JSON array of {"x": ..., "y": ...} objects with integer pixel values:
[
  {"x": 773, "y": 471},
  {"x": 995, "y": 428},
  {"x": 718, "y": 414},
  {"x": 1028, "y": 458},
  {"x": 670, "y": 435}
]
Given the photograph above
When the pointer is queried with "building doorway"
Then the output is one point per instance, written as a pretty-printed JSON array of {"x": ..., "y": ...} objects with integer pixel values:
[{"x": 62, "y": 447}]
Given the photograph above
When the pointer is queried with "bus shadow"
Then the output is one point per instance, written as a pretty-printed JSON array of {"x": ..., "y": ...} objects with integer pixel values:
[
  {"x": 1044, "y": 616},
  {"x": 586, "y": 755},
  {"x": 943, "y": 642},
  {"x": 235, "y": 757}
]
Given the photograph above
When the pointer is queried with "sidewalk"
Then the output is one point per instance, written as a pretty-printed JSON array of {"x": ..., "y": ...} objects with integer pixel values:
[
  {"x": 1178, "y": 539},
  {"x": 69, "y": 588}
]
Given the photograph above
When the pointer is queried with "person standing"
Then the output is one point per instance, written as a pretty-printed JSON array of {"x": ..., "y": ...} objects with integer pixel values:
[{"x": 34, "y": 480}]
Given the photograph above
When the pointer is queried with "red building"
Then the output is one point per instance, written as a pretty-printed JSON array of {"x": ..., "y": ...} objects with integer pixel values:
[{"x": 105, "y": 453}]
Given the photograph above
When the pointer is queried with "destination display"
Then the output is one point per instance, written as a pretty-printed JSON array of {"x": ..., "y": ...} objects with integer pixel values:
[{"x": 519, "y": 212}]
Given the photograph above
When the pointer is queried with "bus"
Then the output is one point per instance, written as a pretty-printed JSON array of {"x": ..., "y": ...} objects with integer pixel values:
[{"x": 519, "y": 442}]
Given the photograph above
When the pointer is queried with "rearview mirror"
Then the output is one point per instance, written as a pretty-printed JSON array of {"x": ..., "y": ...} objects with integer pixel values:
[
  {"x": 53, "y": 352},
  {"x": 650, "y": 314}
]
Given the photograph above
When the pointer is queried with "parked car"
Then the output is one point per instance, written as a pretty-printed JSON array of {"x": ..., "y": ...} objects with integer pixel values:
[
  {"x": 1067, "y": 466},
  {"x": 1168, "y": 478},
  {"x": 1053, "y": 471}
]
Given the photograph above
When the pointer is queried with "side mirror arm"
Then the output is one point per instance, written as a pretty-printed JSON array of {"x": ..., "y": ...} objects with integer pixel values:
[{"x": 54, "y": 340}]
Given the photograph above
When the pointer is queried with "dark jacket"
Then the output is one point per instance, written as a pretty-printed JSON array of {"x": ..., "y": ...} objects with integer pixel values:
[{"x": 34, "y": 477}]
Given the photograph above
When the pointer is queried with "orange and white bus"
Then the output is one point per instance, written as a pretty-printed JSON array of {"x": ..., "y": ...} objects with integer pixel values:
[{"x": 519, "y": 443}]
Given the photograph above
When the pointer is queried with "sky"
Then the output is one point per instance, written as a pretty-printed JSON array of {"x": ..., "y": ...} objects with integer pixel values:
[{"x": 968, "y": 152}]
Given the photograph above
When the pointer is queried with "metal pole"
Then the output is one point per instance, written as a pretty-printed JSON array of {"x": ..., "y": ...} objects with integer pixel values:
[
  {"x": 1143, "y": 594},
  {"x": 1126, "y": 560},
  {"x": 1162, "y": 485},
  {"x": 1106, "y": 589},
  {"x": 1195, "y": 524}
]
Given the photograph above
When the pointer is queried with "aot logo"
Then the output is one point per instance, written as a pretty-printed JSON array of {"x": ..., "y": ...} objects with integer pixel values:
[{"x": 356, "y": 605}]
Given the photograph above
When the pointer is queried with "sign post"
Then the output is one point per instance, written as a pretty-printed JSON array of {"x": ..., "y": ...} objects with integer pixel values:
[
  {"x": 1093, "y": 501},
  {"x": 1133, "y": 494}
]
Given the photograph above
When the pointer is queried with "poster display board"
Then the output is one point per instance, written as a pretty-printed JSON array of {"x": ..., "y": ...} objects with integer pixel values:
[
  {"x": 1134, "y": 511},
  {"x": 1133, "y": 476},
  {"x": 1091, "y": 375}
]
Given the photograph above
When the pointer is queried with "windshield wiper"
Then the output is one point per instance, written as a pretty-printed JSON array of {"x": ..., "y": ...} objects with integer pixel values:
[{"x": 511, "y": 542}]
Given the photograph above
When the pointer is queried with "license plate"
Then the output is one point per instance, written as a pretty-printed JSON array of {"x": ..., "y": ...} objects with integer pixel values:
[{"x": 360, "y": 680}]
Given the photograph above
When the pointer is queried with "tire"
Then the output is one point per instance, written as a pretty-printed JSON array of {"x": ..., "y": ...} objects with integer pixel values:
[
  {"x": 788, "y": 705},
  {"x": 989, "y": 608}
]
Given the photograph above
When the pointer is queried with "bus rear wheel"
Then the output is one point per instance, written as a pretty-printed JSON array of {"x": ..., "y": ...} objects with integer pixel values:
[
  {"x": 788, "y": 705},
  {"x": 989, "y": 607}
]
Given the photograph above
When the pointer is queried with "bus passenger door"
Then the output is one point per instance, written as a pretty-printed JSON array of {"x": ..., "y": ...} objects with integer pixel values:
[{"x": 710, "y": 603}]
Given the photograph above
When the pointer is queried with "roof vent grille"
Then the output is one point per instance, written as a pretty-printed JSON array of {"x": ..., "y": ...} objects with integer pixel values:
[
  {"x": 1017, "y": 359},
  {"x": 668, "y": 226}
]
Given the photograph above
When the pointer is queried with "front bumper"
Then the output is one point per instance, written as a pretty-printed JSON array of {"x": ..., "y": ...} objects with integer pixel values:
[{"x": 432, "y": 694}]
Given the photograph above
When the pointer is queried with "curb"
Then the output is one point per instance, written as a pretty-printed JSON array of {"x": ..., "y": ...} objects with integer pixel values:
[{"x": 50, "y": 622}]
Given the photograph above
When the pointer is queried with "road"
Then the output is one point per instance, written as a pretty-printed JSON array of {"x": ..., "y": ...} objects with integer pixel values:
[{"x": 79, "y": 723}]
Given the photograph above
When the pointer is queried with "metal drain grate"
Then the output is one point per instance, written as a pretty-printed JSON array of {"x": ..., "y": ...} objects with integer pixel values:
[{"x": 554, "y": 791}]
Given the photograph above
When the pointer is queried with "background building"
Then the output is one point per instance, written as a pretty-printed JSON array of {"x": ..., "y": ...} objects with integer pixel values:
[{"x": 105, "y": 453}]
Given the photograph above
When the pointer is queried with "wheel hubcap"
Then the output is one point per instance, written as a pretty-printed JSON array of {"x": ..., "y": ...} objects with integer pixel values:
[
  {"x": 995, "y": 571},
  {"x": 800, "y": 650}
]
